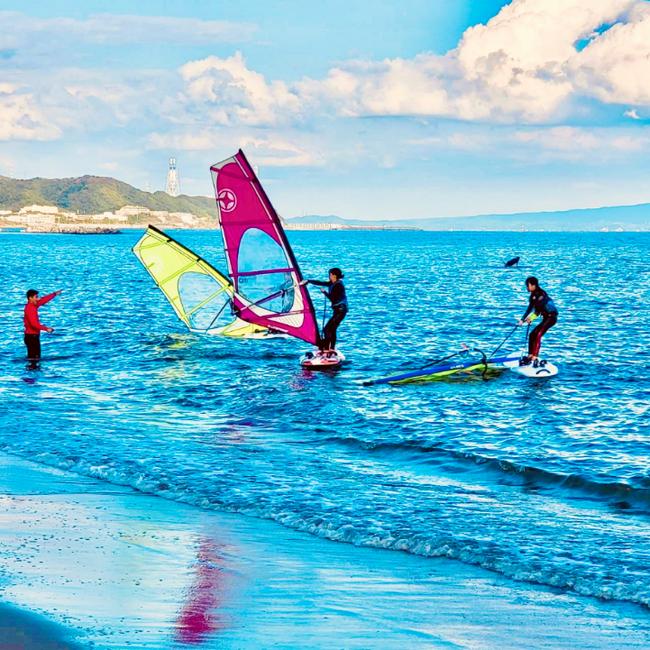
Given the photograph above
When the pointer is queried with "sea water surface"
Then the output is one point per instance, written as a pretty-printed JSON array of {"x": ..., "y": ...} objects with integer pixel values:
[{"x": 545, "y": 481}]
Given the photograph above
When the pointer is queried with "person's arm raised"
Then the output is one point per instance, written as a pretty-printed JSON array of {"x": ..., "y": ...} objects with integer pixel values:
[{"x": 46, "y": 299}]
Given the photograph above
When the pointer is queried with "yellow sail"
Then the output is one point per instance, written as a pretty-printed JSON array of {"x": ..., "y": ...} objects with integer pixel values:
[
  {"x": 240, "y": 329},
  {"x": 199, "y": 294}
]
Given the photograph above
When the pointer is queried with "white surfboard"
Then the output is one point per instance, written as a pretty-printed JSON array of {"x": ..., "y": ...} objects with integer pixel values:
[
  {"x": 322, "y": 360},
  {"x": 543, "y": 369}
]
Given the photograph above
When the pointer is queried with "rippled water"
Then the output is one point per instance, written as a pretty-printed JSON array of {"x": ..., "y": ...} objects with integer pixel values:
[{"x": 545, "y": 481}]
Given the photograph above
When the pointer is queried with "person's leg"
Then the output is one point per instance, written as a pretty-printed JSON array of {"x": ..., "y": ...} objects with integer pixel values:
[
  {"x": 334, "y": 327},
  {"x": 532, "y": 341},
  {"x": 323, "y": 343},
  {"x": 334, "y": 323},
  {"x": 327, "y": 333},
  {"x": 33, "y": 343},
  {"x": 539, "y": 331}
]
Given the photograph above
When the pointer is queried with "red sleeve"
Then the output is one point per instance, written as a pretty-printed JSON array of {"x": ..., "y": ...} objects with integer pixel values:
[
  {"x": 45, "y": 299},
  {"x": 31, "y": 320}
]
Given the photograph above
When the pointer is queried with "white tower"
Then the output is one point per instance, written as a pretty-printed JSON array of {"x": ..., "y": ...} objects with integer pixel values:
[{"x": 173, "y": 185}]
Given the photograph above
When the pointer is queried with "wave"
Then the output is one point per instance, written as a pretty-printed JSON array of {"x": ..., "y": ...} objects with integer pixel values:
[
  {"x": 615, "y": 493},
  {"x": 563, "y": 572}
]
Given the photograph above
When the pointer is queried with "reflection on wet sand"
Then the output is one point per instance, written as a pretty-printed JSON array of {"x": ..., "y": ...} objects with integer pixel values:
[{"x": 207, "y": 594}]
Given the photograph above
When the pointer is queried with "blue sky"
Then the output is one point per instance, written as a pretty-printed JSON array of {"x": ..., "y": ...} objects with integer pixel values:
[{"x": 418, "y": 108}]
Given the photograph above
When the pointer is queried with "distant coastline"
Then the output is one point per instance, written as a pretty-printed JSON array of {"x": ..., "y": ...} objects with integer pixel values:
[
  {"x": 90, "y": 203},
  {"x": 633, "y": 218}
]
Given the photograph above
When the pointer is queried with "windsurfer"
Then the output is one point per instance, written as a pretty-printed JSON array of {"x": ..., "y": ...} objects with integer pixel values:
[
  {"x": 335, "y": 293},
  {"x": 539, "y": 304},
  {"x": 33, "y": 327}
]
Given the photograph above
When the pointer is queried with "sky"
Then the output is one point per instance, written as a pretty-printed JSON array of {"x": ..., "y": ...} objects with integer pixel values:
[{"x": 409, "y": 109}]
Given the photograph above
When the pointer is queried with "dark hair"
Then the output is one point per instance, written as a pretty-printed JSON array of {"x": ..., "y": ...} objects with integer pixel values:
[
  {"x": 337, "y": 272},
  {"x": 532, "y": 280},
  {"x": 31, "y": 292}
]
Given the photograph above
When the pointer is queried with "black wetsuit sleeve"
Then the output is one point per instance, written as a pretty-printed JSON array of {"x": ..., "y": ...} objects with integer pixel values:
[
  {"x": 319, "y": 283},
  {"x": 530, "y": 308},
  {"x": 536, "y": 302}
]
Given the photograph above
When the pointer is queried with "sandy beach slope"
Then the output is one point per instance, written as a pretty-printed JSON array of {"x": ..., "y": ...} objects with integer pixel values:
[{"x": 107, "y": 567}]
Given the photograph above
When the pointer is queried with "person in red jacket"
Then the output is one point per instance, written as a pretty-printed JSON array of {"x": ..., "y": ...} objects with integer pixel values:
[{"x": 33, "y": 327}]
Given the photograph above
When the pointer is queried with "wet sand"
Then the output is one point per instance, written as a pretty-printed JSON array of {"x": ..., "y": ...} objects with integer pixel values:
[{"x": 89, "y": 564}]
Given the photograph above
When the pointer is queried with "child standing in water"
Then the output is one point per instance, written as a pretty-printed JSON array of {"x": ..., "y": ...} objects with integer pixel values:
[
  {"x": 539, "y": 304},
  {"x": 33, "y": 327},
  {"x": 337, "y": 296}
]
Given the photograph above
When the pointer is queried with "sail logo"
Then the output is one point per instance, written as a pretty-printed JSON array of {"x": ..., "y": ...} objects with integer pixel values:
[{"x": 227, "y": 200}]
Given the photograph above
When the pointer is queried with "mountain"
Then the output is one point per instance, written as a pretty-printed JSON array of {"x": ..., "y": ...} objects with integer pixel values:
[
  {"x": 626, "y": 217},
  {"x": 94, "y": 195}
]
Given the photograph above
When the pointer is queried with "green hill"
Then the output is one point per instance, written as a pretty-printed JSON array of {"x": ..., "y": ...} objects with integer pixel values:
[{"x": 94, "y": 195}]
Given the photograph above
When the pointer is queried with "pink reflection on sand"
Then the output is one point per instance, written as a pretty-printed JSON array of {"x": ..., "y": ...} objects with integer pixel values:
[{"x": 207, "y": 593}]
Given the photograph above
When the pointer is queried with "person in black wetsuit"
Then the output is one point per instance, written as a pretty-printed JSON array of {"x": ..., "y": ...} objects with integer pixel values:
[
  {"x": 539, "y": 304},
  {"x": 335, "y": 292}
]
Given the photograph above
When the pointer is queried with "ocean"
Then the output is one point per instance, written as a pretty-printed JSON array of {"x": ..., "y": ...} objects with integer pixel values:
[{"x": 543, "y": 481}]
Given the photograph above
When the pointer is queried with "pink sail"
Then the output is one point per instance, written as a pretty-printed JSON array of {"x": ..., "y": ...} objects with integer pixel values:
[{"x": 261, "y": 263}]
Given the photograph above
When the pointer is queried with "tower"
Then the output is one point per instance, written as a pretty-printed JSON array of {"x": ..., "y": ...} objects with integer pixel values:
[{"x": 173, "y": 185}]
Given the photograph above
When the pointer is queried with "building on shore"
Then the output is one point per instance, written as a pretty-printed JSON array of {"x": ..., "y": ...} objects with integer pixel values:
[
  {"x": 339, "y": 226},
  {"x": 48, "y": 218}
]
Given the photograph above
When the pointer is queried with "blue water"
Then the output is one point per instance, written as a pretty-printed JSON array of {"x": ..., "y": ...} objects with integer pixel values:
[{"x": 545, "y": 481}]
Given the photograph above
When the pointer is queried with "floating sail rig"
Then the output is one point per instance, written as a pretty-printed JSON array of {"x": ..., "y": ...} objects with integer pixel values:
[
  {"x": 199, "y": 294},
  {"x": 262, "y": 266},
  {"x": 441, "y": 371}
]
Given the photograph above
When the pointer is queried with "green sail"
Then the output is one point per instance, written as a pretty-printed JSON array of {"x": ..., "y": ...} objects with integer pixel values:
[{"x": 199, "y": 294}]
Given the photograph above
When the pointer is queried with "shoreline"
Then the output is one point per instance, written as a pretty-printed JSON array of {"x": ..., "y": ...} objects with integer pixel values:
[
  {"x": 123, "y": 229},
  {"x": 116, "y": 568}
]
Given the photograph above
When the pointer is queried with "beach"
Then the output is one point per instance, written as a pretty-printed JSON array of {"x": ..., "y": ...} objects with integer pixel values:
[{"x": 108, "y": 567}]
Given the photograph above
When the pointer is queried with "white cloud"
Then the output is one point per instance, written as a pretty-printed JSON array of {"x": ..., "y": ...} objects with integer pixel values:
[
  {"x": 573, "y": 142},
  {"x": 615, "y": 67},
  {"x": 269, "y": 150},
  {"x": 628, "y": 143},
  {"x": 522, "y": 66},
  {"x": 560, "y": 138},
  {"x": 21, "y": 119},
  {"x": 202, "y": 141},
  {"x": 119, "y": 100},
  {"x": 112, "y": 29},
  {"x": 110, "y": 166},
  {"x": 517, "y": 61},
  {"x": 424, "y": 142},
  {"x": 468, "y": 141},
  {"x": 632, "y": 114},
  {"x": 235, "y": 93},
  {"x": 275, "y": 152}
]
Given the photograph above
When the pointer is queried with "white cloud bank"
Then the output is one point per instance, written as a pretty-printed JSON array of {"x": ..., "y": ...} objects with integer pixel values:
[
  {"x": 526, "y": 65},
  {"x": 535, "y": 62},
  {"x": 269, "y": 150},
  {"x": 112, "y": 29}
]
